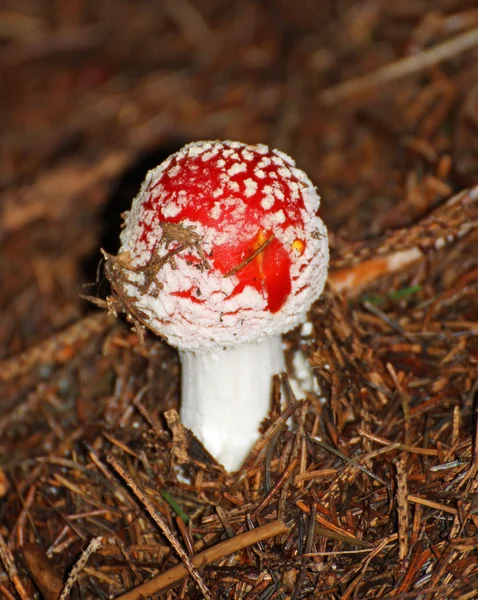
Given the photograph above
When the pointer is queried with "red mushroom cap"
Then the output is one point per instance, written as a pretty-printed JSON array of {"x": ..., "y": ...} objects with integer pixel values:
[{"x": 224, "y": 245}]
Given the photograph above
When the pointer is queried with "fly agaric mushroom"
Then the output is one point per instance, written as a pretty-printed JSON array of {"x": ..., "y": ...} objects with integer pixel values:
[{"x": 222, "y": 252}]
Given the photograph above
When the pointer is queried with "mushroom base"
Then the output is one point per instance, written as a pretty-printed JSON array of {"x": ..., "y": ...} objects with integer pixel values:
[{"x": 227, "y": 393}]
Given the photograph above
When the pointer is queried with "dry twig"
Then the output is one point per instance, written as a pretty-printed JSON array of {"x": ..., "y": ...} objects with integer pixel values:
[{"x": 221, "y": 550}]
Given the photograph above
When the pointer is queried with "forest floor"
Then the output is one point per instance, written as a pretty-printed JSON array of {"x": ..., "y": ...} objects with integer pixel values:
[{"x": 372, "y": 493}]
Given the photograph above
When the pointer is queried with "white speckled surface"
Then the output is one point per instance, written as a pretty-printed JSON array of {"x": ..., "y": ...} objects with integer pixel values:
[{"x": 245, "y": 180}]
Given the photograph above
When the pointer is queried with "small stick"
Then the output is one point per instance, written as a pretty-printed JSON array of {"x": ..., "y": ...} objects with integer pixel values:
[
  {"x": 161, "y": 523},
  {"x": 402, "y": 508},
  {"x": 6, "y": 558},
  {"x": 206, "y": 557},
  {"x": 56, "y": 349},
  {"x": 401, "y": 68},
  {"x": 397, "y": 445},
  {"x": 79, "y": 566},
  {"x": 250, "y": 258},
  {"x": 359, "y": 264},
  {"x": 432, "y": 504}
]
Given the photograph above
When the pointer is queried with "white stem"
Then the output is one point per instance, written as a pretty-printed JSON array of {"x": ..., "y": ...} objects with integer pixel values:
[{"x": 226, "y": 394}]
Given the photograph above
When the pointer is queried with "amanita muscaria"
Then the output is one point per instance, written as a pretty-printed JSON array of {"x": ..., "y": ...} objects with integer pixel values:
[{"x": 222, "y": 252}]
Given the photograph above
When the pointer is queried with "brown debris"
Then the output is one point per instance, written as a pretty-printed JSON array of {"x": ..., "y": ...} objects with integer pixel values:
[
  {"x": 58, "y": 349},
  {"x": 42, "y": 571},
  {"x": 117, "y": 267}
]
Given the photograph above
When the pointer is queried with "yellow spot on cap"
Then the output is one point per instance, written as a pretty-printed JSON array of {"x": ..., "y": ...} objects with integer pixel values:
[
  {"x": 261, "y": 238},
  {"x": 298, "y": 246}
]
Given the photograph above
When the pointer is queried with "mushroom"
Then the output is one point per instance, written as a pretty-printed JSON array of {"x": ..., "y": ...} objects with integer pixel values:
[{"x": 222, "y": 252}]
